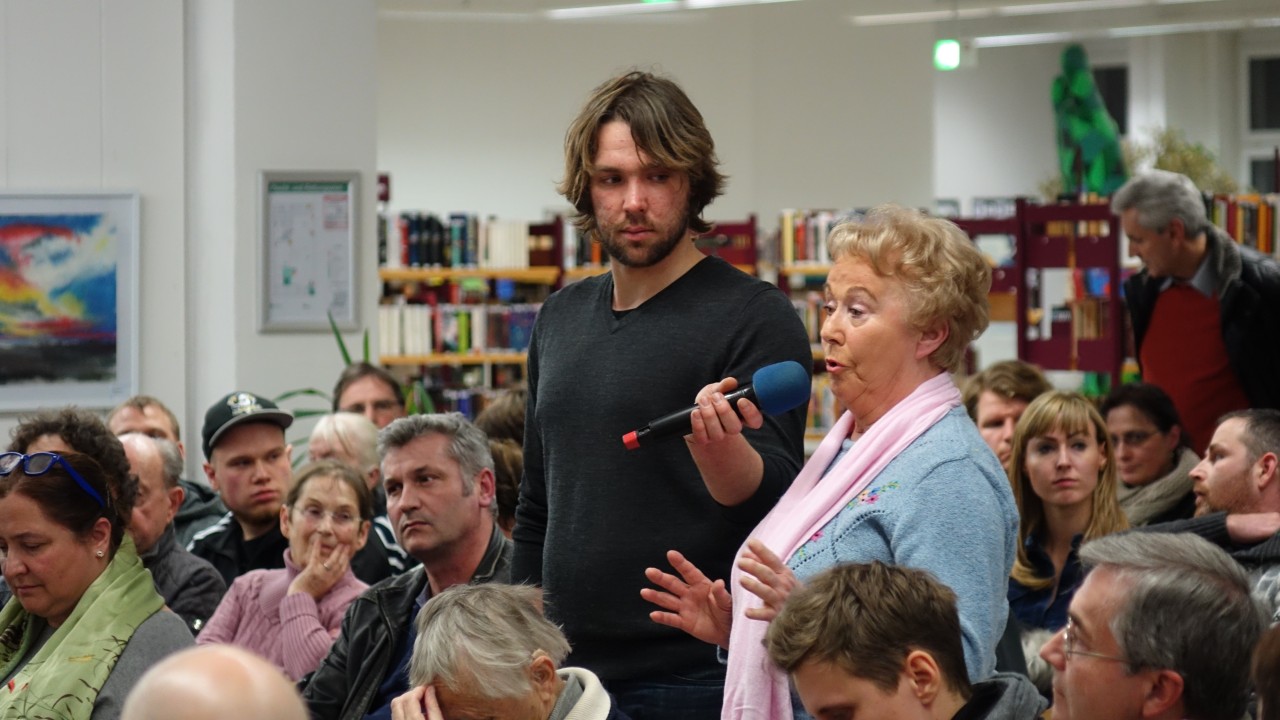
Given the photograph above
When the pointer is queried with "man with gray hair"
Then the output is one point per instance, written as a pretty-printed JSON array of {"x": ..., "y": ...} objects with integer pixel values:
[
  {"x": 190, "y": 586},
  {"x": 1162, "y": 629},
  {"x": 438, "y": 476},
  {"x": 1205, "y": 310},
  {"x": 487, "y": 651}
]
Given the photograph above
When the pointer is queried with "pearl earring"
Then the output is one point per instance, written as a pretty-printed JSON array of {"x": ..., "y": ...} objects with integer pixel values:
[{"x": 100, "y": 553}]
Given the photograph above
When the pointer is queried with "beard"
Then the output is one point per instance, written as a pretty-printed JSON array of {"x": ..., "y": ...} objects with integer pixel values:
[{"x": 649, "y": 255}]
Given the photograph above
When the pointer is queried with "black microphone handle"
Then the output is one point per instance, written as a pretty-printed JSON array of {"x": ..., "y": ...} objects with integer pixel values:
[{"x": 679, "y": 422}]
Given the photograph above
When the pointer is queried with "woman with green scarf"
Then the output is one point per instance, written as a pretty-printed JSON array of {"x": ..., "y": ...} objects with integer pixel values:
[{"x": 85, "y": 620}]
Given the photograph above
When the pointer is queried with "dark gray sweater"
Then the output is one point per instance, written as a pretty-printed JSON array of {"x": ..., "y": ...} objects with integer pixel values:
[{"x": 593, "y": 515}]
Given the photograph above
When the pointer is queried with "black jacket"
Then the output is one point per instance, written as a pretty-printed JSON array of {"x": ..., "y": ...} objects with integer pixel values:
[
  {"x": 1249, "y": 302},
  {"x": 190, "y": 586},
  {"x": 223, "y": 546},
  {"x": 344, "y": 685}
]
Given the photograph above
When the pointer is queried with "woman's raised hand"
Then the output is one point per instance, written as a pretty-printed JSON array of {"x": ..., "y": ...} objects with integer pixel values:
[
  {"x": 768, "y": 578},
  {"x": 692, "y": 602},
  {"x": 323, "y": 569}
]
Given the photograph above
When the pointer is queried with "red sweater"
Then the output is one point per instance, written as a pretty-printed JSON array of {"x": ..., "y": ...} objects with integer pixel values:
[{"x": 1183, "y": 353}]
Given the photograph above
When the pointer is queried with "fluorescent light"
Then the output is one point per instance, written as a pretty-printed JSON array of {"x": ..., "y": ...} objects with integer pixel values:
[
  {"x": 703, "y": 4},
  {"x": 992, "y": 41},
  {"x": 920, "y": 17},
  {"x": 1010, "y": 10},
  {"x": 574, "y": 13},
  {"x": 1049, "y": 8}
]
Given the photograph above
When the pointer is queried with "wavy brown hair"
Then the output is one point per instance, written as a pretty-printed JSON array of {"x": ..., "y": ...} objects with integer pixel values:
[{"x": 665, "y": 125}]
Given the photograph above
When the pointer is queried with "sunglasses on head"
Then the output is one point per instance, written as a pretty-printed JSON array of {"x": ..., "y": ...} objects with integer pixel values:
[{"x": 37, "y": 464}]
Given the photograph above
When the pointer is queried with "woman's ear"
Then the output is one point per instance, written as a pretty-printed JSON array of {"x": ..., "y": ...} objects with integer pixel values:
[{"x": 932, "y": 338}]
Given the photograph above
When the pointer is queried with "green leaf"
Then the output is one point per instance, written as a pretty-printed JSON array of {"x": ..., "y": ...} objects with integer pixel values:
[
  {"x": 311, "y": 392},
  {"x": 366, "y": 344},
  {"x": 342, "y": 345}
]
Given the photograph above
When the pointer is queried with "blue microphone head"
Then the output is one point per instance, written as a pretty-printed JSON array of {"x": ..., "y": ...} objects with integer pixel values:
[{"x": 781, "y": 386}]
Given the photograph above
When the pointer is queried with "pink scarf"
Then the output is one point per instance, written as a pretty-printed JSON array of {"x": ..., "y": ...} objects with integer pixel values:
[{"x": 754, "y": 688}]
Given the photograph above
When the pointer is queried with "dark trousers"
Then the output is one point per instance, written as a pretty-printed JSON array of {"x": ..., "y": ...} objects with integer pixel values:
[{"x": 695, "y": 695}]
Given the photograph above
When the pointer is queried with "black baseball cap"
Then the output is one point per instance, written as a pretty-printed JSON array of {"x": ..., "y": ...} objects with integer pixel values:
[{"x": 236, "y": 408}]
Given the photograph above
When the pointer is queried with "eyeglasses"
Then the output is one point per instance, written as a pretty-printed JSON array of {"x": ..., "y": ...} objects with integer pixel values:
[
  {"x": 315, "y": 516},
  {"x": 1069, "y": 645},
  {"x": 37, "y": 464},
  {"x": 1133, "y": 437}
]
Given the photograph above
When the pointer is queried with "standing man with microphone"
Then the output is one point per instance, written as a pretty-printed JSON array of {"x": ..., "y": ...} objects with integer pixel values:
[{"x": 612, "y": 352}]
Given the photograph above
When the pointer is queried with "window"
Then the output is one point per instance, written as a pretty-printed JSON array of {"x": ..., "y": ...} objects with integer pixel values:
[
  {"x": 1262, "y": 175},
  {"x": 1113, "y": 85},
  {"x": 1264, "y": 93}
]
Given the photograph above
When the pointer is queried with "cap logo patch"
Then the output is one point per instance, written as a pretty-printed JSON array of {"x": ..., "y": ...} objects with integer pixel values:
[{"x": 243, "y": 404}]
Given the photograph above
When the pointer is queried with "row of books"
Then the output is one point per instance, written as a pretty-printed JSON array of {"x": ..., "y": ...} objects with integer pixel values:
[
  {"x": 824, "y": 409},
  {"x": 809, "y": 308},
  {"x": 802, "y": 235},
  {"x": 1250, "y": 219},
  {"x": 453, "y": 241},
  {"x": 411, "y": 329}
]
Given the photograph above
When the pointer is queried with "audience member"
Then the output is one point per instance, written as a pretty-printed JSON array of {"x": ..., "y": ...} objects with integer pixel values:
[
  {"x": 191, "y": 587},
  {"x": 1266, "y": 674},
  {"x": 1064, "y": 479},
  {"x": 66, "y": 430},
  {"x": 1205, "y": 309},
  {"x": 201, "y": 506},
  {"x": 215, "y": 682},
  {"x": 1237, "y": 487},
  {"x": 87, "y": 620},
  {"x": 291, "y": 616},
  {"x": 352, "y": 439},
  {"x": 640, "y": 167},
  {"x": 508, "y": 466},
  {"x": 1162, "y": 629},
  {"x": 1153, "y": 459},
  {"x": 503, "y": 417},
  {"x": 487, "y": 651},
  {"x": 997, "y": 397},
  {"x": 368, "y": 390},
  {"x": 905, "y": 296},
  {"x": 248, "y": 462},
  {"x": 885, "y": 640},
  {"x": 439, "y": 481}
]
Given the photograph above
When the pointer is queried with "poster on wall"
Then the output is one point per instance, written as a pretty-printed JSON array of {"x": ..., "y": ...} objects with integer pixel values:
[
  {"x": 68, "y": 299},
  {"x": 308, "y": 238}
]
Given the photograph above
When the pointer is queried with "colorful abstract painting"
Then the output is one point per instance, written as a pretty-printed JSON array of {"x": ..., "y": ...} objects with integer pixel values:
[{"x": 61, "y": 314}]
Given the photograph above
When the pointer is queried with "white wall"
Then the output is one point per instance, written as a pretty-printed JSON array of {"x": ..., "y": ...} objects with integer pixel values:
[
  {"x": 186, "y": 103},
  {"x": 472, "y": 115},
  {"x": 280, "y": 85},
  {"x": 91, "y": 98}
]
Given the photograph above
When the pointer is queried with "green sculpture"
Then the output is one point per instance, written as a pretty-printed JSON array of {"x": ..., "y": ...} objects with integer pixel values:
[{"x": 1089, "y": 155}]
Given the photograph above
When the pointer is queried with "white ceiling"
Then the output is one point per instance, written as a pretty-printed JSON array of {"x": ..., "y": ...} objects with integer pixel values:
[{"x": 1073, "y": 19}]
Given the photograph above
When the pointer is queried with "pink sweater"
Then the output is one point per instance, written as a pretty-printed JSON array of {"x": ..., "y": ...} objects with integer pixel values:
[{"x": 292, "y": 631}]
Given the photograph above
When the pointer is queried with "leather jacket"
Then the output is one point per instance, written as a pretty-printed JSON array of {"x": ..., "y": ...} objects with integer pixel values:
[{"x": 344, "y": 686}]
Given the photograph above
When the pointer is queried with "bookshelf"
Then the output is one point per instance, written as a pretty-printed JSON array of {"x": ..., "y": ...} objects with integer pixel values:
[
  {"x": 1249, "y": 218},
  {"x": 456, "y": 313},
  {"x": 1084, "y": 330},
  {"x": 462, "y": 329}
]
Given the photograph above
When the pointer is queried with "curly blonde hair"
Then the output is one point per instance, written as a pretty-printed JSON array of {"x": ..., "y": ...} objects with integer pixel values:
[{"x": 945, "y": 277}]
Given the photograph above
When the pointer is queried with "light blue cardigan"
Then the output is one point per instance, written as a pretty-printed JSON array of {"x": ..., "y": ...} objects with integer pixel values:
[{"x": 943, "y": 505}]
